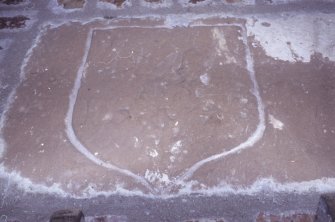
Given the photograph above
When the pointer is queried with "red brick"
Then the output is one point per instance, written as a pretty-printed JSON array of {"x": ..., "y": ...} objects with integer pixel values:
[{"x": 264, "y": 217}]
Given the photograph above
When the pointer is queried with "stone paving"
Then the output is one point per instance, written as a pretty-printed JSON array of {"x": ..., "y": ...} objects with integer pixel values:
[{"x": 164, "y": 106}]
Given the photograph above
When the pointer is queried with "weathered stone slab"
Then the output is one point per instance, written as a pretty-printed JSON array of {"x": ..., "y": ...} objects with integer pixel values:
[
  {"x": 138, "y": 104},
  {"x": 153, "y": 113},
  {"x": 163, "y": 97}
]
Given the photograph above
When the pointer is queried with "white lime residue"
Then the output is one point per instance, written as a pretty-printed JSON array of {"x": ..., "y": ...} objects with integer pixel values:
[
  {"x": 157, "y": 177},
  {"x": 277, "y": 124},
  {"x": 182, "y": 20},
  {"x": 249, "y": 2},
  {"x": 136, "y": 142},
  {"x": 58, "y": 9},
  {"x": 221, "y": 40},
  {"x": 205, "y": 79},
  {"x": 323, "y": 185},
  {"x": 222, "y": 48},
  {"x": 175, "y": 148},
  {"x": 188, "y": 3},
  {"x": 111, "y": 6},
  {"x": 27, "y": 185},
  {"x": 153, "y": 153},
  {"x": 295, "y": 37},
  {"x": 2, "y": 147},
  {"x": 155, "y": 5},
  {"x": 107, "y": 117}
]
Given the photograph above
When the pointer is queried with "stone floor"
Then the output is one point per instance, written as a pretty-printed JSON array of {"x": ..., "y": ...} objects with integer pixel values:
[{"x": 163, "y": 99}]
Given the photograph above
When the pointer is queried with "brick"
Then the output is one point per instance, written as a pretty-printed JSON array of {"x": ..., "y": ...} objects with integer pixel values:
[
  {"x": 68, "y": 216},
  {"x": 71, "y": 4},
  {"x": 13, "y": 22},
  {"x": 196, "y": 1},
  {"x": 299, "y": 217},
  {"x": 206, "y": 220},
  {"x": 118, "y": 3},
  {"x": 107, "y": 218},
  {"x": 11, "y": 2},
  {"x": 153, "y": 1}
]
